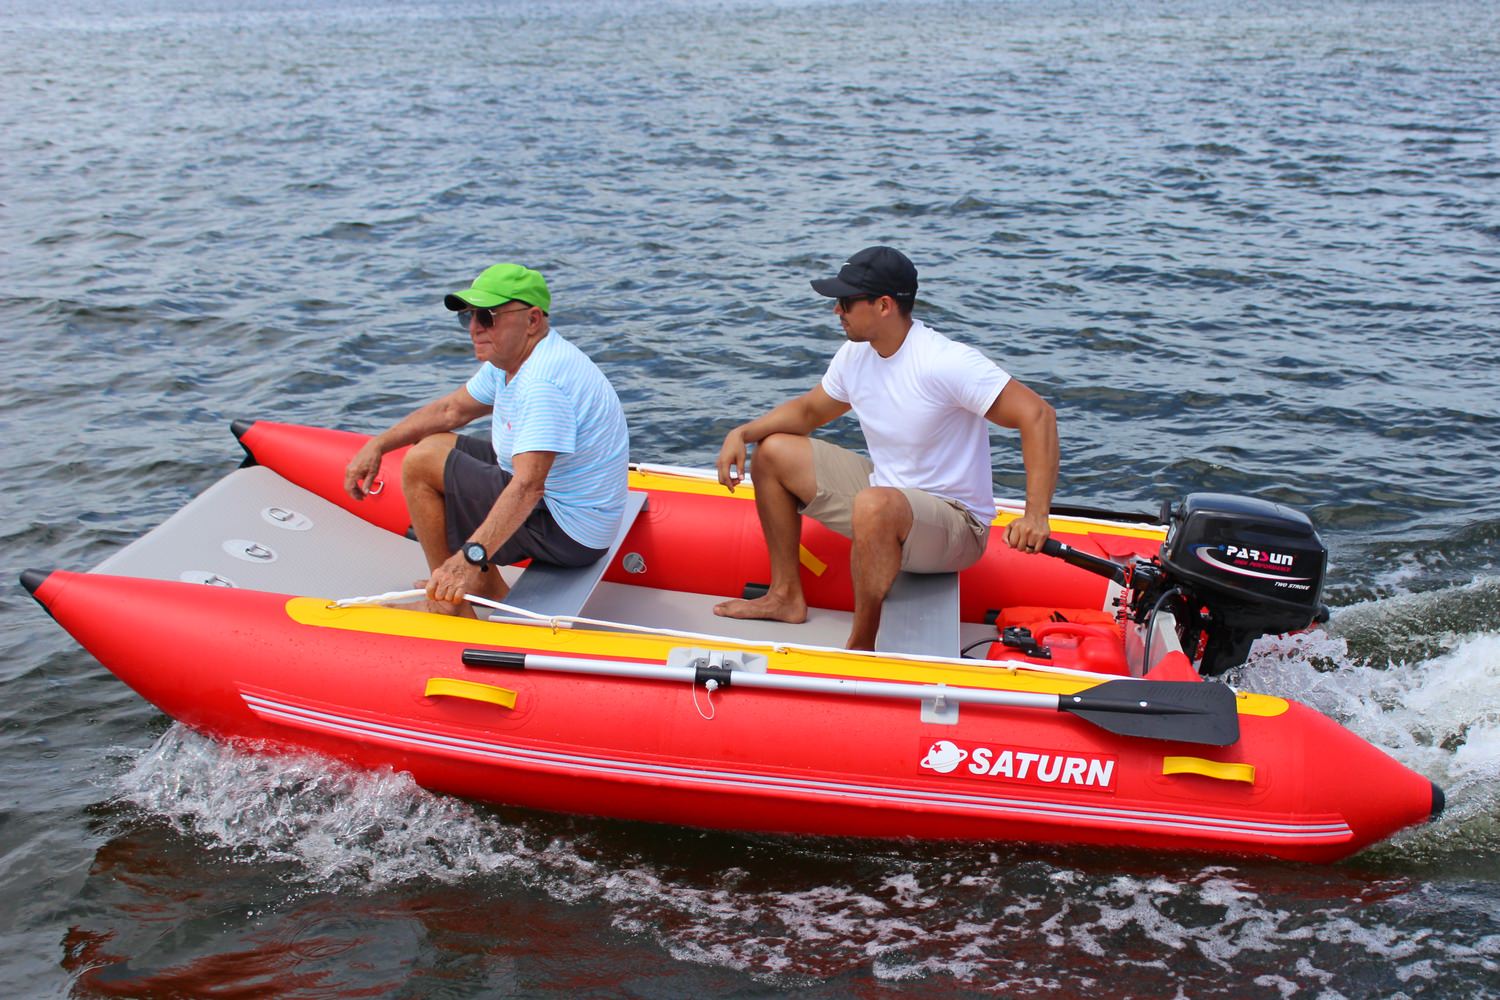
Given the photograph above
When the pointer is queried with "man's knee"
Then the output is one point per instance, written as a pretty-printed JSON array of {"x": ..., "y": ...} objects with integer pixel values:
[
  {"x": 786, "y": 459},
  {"x": 779, "y": 452},
  {"x": 881, "y": 510},
  {"x": 425, "y": 461}
]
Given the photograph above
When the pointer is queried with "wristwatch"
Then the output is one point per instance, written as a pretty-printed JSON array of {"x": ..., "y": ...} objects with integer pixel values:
[{"x": 476, "y": 556}]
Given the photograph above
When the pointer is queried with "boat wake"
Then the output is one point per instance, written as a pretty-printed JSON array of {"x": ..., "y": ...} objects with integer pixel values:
[
  {"x": 1419, "y": 676},
  {"x": 342, "y": 828}
]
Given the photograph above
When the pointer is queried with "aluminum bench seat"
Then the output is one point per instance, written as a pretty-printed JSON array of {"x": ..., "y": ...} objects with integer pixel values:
[
  {"x": 920, "y": 615},
  {"x": 562, "y": 591}
]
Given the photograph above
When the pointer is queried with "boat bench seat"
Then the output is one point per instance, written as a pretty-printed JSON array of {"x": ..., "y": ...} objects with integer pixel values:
[
  {"x": 562, "y": 591},
  {"x": 920, "y": 615}
]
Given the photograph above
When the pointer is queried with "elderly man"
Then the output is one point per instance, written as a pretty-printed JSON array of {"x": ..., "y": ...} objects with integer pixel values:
[
  {"x": 549, "y": 484},
  {"x": 923, "y": 501}
]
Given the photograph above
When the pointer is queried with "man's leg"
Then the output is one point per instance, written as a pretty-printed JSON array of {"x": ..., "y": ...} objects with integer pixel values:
[
  {"x": 422, "y": 483},
  {"x": 882, "y": 520},
  {"x": 782, "y": 473}
]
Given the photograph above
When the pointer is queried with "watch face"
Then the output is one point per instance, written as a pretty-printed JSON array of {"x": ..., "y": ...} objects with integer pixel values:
[{"x": 474, "y": 552}]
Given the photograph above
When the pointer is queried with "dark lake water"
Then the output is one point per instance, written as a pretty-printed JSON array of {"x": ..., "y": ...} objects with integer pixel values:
[{"x": 1251, "y": 247}]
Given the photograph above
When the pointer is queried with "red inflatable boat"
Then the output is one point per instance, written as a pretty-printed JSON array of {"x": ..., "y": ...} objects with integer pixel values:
[{"x": 1054, "y": 699}]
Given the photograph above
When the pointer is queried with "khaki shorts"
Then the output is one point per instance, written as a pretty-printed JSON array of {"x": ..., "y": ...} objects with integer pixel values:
[{"x": 945, "y": 536}]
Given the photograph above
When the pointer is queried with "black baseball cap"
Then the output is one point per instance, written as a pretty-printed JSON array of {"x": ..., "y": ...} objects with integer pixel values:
[{"x": 872, "y": 271}]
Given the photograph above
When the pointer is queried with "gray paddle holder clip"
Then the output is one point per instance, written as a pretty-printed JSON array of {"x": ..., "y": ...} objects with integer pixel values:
[
  {"x": 717, "y": 665},
  {"x": 940, "y": 710}
]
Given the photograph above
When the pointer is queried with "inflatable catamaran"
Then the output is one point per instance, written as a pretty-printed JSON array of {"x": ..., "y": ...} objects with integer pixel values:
[{"x": 1059, "y": 698}]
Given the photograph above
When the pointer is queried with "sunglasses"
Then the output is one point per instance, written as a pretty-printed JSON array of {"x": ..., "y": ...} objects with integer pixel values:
[
  {"x": 486, "y": 317},
  {"x": 846, "y": 302}
]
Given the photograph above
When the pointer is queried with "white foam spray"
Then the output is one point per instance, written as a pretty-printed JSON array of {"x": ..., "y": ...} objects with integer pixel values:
[{"x": 1424, "y": 686}]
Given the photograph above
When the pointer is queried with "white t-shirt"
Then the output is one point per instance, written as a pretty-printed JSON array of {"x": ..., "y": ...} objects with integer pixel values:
[{"x": 922, "y": 410}]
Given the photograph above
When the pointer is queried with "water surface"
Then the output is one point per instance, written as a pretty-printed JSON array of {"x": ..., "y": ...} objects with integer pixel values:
[{"x": 1241, "y": 247}]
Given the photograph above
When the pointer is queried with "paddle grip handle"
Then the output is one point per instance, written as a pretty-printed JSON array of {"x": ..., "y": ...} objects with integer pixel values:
[
  {"x": 1083, "y": 560},
  {"x": 494, "y": 658}
]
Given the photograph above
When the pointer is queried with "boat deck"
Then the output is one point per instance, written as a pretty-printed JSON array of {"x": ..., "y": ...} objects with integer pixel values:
[{"x": 255, "y": 530}]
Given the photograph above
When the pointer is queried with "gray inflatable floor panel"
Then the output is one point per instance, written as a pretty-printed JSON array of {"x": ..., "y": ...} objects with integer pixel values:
[{"x": 254, "y": 530}]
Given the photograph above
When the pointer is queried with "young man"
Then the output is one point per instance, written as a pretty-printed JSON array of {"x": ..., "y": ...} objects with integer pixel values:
[
  {"x": 923, "y": 501},
  {"x": 550, "y": 483}
]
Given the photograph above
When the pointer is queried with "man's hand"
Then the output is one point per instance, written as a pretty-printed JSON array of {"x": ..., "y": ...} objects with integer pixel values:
[
  {"x": 362, "y": 471},
  {"x": 453, "y": 579},
  {"x": 732, "y": 459},
  {"x": 1027, "y": 532}
]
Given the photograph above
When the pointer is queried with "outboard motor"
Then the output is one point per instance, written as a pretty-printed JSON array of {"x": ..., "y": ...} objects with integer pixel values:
[
  {"x": 1231, "y": 570},
  {"x": 1246, "y": 568}
]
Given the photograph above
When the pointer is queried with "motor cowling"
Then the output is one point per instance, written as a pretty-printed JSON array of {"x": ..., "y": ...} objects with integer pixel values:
[{"x": 1251, "y": 567}]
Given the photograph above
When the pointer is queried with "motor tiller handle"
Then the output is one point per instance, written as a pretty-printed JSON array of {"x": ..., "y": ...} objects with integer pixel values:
[{"x": 1084, "y": 560}]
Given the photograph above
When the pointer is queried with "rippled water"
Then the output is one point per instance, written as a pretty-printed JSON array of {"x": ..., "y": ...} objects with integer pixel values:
[{"x": 1244, "y": 247}]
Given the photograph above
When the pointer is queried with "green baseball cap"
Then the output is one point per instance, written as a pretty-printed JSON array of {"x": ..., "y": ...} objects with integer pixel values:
[{"x": 500, "y": 284}]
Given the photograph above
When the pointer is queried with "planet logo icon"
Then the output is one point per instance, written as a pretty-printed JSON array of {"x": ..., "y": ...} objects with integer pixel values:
[{"x": 943, "y": 757}]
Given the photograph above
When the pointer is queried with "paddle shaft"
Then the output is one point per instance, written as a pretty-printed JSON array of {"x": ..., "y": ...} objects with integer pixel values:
[
  {"x": 727, "y": 677},
  {"x": 1183, "y": 711}
]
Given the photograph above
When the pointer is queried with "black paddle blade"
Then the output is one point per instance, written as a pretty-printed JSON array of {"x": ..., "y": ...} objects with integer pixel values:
[{"x": 1185, "y": 711}]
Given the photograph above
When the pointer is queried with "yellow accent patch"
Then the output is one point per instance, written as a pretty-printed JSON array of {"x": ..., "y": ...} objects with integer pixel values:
[
  {"x": 1068, "y": 526},
  {"x": 453, "y": 687},
  {"x": 706, "y": 484},
  {"x": 815, "y": 565},
  {"x": 1209, "y": 769},
  {"x": 1265, "y": 705},
  {"x": 669, "y": 482}
]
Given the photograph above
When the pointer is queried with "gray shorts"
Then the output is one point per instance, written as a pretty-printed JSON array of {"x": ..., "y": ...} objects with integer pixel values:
[
  {"x": 945, "y": 535},
  {"x": 472, "y": 482}
]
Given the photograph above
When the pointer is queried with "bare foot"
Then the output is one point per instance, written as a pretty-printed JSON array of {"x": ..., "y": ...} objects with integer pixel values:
[
  {"x": 859, "y": 642},
  {"x": 767, "y": 608}
]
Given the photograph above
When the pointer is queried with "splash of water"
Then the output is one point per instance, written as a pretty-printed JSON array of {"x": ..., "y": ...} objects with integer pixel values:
[
  {"x": 1417, "y": 675},
  {"x": 343, "y": 828}
]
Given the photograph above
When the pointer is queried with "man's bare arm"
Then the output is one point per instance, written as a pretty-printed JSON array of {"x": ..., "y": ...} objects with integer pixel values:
[
  {"x": 447, "y": 413},
  {"x": 801, "y": 416},
  {"x": 1019, "y": 408}
]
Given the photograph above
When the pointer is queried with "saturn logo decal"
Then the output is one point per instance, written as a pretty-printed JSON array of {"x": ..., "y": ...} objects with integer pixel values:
[{"x": 944, "y": 757}]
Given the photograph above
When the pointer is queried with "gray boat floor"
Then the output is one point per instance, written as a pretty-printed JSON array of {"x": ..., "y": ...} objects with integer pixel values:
[{"x": 254, "y": 530}]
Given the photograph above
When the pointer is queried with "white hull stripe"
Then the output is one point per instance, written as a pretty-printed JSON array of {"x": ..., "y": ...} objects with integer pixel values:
[{"x": 875, "y": 795}]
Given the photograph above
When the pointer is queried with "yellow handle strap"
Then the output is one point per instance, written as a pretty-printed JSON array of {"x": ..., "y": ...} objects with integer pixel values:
[
  {"x": 452, "y": 687},
  {"x": 1209, "y": 768},
  {"x": 812, "y": 562}
]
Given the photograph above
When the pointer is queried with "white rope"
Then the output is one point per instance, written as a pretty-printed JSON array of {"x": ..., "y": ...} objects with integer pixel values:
[
  {"x": 389, "y": 597},
  {"x": 712, "y": 686},
  {"x": 558, "y": 621},
  {"x": 392, "y": 597}
]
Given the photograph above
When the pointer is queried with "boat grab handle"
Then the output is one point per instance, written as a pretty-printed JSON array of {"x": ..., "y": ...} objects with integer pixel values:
[
  {"x": 1222, "y": 770},
  {"x": 1081, "y": 630},
  {"x": 453, "y": 687}
]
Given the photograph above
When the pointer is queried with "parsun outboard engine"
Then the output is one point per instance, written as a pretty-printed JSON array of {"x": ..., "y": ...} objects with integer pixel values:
[
  {"x": 1231, "y": 570},
  {"x": 1245, "y": 568}
]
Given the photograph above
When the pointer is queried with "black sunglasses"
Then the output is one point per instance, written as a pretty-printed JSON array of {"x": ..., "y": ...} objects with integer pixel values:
[
  {"x": 486, "y": 317},
  {"x": 846, "y": 302}
]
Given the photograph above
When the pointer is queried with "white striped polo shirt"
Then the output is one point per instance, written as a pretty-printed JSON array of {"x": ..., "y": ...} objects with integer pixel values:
[{"x": 561, "y": 402}]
